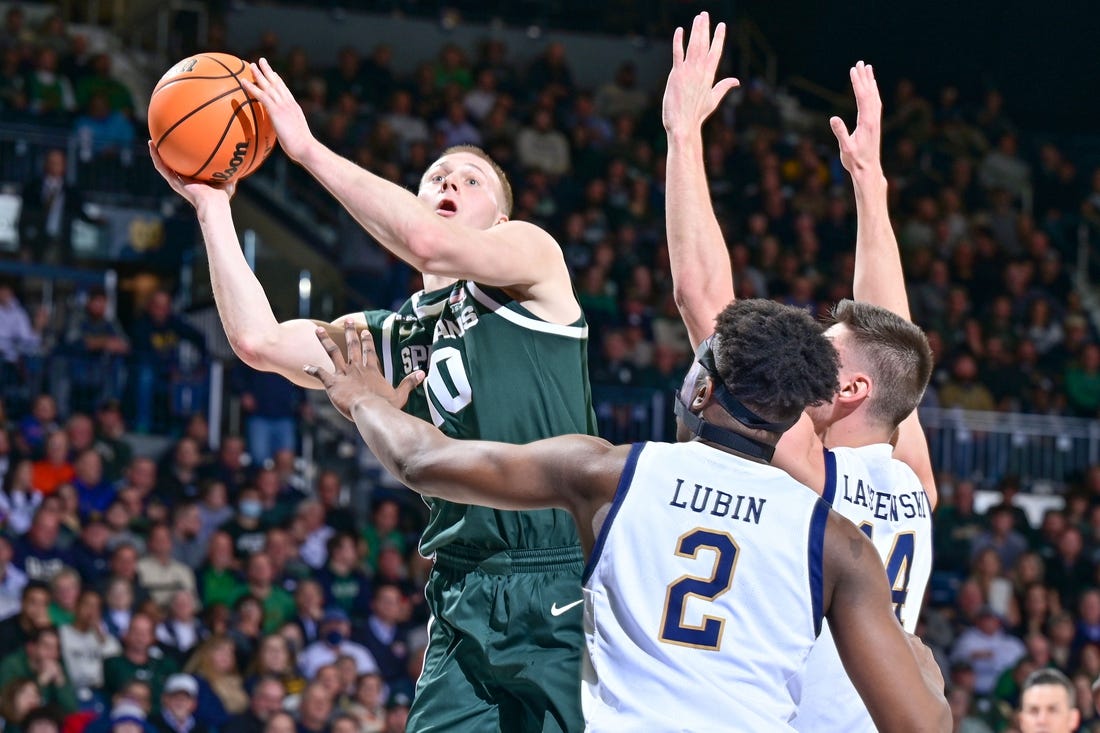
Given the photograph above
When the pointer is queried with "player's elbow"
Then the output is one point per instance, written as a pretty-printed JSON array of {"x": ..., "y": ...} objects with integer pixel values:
[
  {"x": 429, "y": 246},
  {"x": 251, "y": 350}
]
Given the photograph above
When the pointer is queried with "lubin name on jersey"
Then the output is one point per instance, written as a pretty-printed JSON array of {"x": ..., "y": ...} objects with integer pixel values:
[
  {"x": 721, "y": 506},
  {"x": 884, "y": 505}
]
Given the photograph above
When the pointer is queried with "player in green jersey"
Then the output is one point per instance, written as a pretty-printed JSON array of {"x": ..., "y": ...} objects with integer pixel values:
[{"x": 497, "y": 324}]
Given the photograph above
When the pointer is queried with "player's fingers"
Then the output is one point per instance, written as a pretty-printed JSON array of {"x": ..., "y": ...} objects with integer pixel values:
[
  {"x": 677, "y": 47},
  {"x": 408, "y": 385},
  {"x": 333, "y": 350},
  {"x": 714, "y": 54},
  {"x": 700, "y": 36},
  {"x": 351, "y": 339},
  {"x": 368, "y": 355},
  {"x": 722, "y": 88},
  {"x": 321, "y": 375},
  {"x": 840, "y": 130}
]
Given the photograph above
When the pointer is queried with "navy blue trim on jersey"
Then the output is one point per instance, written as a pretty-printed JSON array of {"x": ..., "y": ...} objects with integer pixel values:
[
  {"x": 830, "y": 477},
  {"x": 625, "y": 479},
  {"x": 816, "y": 553}
]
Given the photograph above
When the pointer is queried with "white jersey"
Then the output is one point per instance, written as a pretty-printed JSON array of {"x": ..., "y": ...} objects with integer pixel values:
[
  {"x": 703, "y": 594},
  {"x": 885, "y": 499}
]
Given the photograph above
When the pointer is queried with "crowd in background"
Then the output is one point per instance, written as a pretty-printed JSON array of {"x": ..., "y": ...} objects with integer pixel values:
[{"x": 198, "y": 589}]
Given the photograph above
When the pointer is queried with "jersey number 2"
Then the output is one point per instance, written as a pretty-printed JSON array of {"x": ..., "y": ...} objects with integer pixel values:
[
  {"x": 899, "y": 563},
  {"x": 707, "y": 635}
]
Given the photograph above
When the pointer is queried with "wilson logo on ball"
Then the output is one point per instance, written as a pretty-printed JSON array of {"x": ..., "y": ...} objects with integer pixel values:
[{"x": 239, "y": 152}]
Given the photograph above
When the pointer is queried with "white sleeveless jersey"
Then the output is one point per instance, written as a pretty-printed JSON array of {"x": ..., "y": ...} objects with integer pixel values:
[
  {"x": 702, "y": 594},
  {"x": 885, "y": 499}
]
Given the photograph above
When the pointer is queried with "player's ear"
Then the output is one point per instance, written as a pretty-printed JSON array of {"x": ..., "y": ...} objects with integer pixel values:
[
  {"x": 855, "y": 387},
  {"x": 703, "y": 394},
  {"x": 501, "y": 218}
]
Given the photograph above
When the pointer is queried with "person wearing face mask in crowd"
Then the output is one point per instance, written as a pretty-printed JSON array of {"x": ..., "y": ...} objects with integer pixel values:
[
  {"x": 246, "y": 528},
  {"x": 334, "y": 643}
]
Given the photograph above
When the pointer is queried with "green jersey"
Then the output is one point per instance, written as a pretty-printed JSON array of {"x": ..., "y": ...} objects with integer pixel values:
[{"x": 495, "y": 372}]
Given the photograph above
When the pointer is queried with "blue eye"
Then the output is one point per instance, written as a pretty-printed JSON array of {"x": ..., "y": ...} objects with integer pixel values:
[{"x": 473, "y": 181}]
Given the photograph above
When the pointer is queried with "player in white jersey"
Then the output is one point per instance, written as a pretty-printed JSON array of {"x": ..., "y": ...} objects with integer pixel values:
[
  {"x": 871, "y": 427},
  {"x": 708, "y": 570}
]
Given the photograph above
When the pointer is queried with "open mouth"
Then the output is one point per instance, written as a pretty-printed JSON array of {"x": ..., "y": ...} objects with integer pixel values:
[{"x": 446, "y": 207}]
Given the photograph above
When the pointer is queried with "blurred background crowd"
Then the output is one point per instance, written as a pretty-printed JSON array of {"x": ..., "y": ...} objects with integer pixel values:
[{"x": 168, "y": 565}]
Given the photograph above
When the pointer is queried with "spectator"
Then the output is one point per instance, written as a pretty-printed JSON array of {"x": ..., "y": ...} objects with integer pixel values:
[
  {"x": 18, "y": 698},
  {"x": 275, "y": 660},
  {"x": 214, "y": 664},
  {"x": 96, "y": 345},
  {"x": 314, "y": 532},
  {"x": 50, "y": 206},
  {"x": 218, "y": 581},
  {"x": 385, "y": 635},
  {"x": 330, "y": 493},
  {"x": 397, "y": 711},
  {"x": 1001, "y": 536},
  {"x": 104, "y": 134},
  {"x": 20, "y": 340},
  {"x": 157, "y": 338},
  {"x": 541, "y": 147},
  {"x": 346, "y": 586},
  {"x": 85, "y": 644},
  {"x": 19, "y": 501},
  {"x": 383, "y": 530},
  {"x": 309, "y": 605},
  {"x": 267, "y": 698},
  {"x": 158, "y": 573},
  {"x": 232, "y": 467},
  {"x": 369, "y": 704},
  {"x": 37, "y": 553},
  {"x": 988, "y": 650},
  {"x": 1082, "y": 382},
  {"x": 55, "y": 468},
  {"x": 100, "y": 81},
  {"x": 278, "y": 605},
  {"x": 12, "y": 581},
  {"x": 65, "y": 591},
  {"x": 178, "y": 704},
  {"x": 37, "y": 425},
  {"x": 178, "y": 477},
  {"x": 110, "y": 439},
  {"x": 95, "y": 492},
  {"x": 188, "y": 544},
  {"x": 119, "y": 596},
  {"x": 334, "y": 632},
  {"x": 246, "y": 529},
  {"x": 963, "y": 390},
  {"x": 40, "y": 660},
  {"x": 1069, "y": 570},
  {"x": 287, "y": 568},
  {"x": 621, "y": 96},
  {"x": 181, "y": 630},
  {"x": 1048, "y": 703},
  {"x": 214, "y": 509},
  {"x": 315, "y": 710},
  {"x": 271, "y": 405},
  {"x": 140, "y": 659},
  {"x": 50, "y": 95}
]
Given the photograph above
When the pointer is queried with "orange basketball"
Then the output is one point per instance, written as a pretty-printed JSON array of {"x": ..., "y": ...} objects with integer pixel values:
[{"x": 204, "y": 124}]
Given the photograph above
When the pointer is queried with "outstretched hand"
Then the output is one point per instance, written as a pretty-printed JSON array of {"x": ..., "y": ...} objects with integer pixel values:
[
  {"x": 860, "y": 149},
  {"x": 692, "y": 95},
  {"x": 196, "y": 192},
  {"x": 359, "y": 374},
  {"x": 286, "y": 114}
]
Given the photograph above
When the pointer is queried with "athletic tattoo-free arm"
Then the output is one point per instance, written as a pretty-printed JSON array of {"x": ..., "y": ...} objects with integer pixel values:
[
  {"x": 508, "y": 254},
  {"x": 878, "y": 272},
  {"x": 702, "y": 278}
]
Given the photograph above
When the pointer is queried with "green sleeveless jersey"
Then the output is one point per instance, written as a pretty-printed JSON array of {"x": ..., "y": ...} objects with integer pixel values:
[{"x": 495, "y": 372}]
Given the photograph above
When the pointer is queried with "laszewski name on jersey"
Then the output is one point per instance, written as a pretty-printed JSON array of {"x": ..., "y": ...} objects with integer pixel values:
[{"x": 884, "y": 505}]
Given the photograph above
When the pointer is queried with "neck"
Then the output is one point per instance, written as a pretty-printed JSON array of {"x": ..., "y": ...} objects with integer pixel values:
[
  {"x": 853, "y": 432},
  {"x": 436, "y": 282}
]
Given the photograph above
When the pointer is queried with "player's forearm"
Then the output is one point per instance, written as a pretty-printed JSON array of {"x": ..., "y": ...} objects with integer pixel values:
[
  {"x": 246, "y": 315},
  {"x": 391, "y": 214},
  {"x": 879, "y": 279},
  {"x": 402, "y": 443},
  {"x": 701, "y": 274}
]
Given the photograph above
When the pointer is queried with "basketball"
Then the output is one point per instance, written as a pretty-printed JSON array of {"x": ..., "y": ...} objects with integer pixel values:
[{"x": 203, "y": 123}]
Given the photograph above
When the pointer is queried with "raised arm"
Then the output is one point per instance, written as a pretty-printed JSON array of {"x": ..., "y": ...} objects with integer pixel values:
[
  {"x": 702, "y": 278},
  {"x": 878, "y": 273},
  {"x": 895, "y": 674},
  {"x": 575, "y": 472},
  {"x": 509, "y": 254},
  {"x": 255, "y": 336}
]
